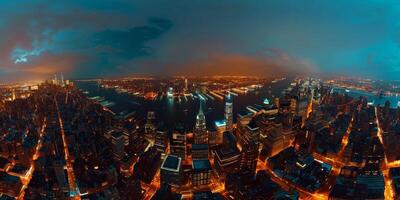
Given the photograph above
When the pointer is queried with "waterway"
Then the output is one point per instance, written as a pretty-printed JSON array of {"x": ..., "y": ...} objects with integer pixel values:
[
  {"x": 173, "y": 111},
  {"x": 372, "y": 98}
]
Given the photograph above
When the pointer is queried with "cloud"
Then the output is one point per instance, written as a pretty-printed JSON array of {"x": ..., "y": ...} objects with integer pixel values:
[{"x": 102, "y": 38}]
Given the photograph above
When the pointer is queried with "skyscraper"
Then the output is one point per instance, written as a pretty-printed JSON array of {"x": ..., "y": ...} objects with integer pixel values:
[
  {"x": 200, "y": 130},
  {"x": 229, "y": 112},
  {"x": 178, "y": 143}
]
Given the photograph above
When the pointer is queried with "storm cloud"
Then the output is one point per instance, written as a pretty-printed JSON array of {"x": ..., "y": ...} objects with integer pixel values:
[{"x": 84, "y": 39}]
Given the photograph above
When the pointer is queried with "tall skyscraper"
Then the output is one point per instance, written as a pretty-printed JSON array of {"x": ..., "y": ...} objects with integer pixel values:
[
  {"x": 229, "y": 112},
  {"x": 200, "y": 130}
]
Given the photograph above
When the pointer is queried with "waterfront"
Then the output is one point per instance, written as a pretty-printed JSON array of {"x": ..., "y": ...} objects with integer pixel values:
[
  {"x": 372, "y": 98},
  {"x": 172, "y": 111}
]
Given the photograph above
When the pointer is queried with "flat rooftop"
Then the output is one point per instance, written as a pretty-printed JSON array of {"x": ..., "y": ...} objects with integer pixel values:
[
  {"x": 201, "y": 165},
  {"x": 199, "y": 146},
  {"x": 172, "y": 163}
]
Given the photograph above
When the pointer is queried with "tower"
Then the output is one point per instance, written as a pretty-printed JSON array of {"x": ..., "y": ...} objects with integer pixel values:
[
  {"x": 229, "y": 112},
  {"x": 186, "y": 85},
  {"x": 200, "y": 130}
]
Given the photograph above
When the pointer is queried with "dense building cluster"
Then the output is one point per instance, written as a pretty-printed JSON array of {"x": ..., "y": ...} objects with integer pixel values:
[{"x": 311, "y": 142}]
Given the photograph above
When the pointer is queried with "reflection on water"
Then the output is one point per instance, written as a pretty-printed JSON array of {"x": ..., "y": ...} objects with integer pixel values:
[
  {"x": 376, "y": 100},
  {"x": 172, "y": 111}
]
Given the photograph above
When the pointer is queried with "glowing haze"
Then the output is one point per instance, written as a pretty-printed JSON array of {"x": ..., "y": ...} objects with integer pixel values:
[{"x": 84, "y": 39}]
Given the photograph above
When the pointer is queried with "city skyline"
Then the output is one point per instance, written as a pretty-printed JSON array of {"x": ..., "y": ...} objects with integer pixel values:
[
  {"x": 199, "y": 100},
  {"x": 106, "y": 39}
]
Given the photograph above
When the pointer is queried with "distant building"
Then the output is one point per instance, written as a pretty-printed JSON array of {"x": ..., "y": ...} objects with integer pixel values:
[
  {"x": 171, "y": 170},
  {"x": 149, "y": 127},
  {"x": 200, "y": 130},
  {"x": 201, "y": 174},
  {"x": 229, "y": 112}
]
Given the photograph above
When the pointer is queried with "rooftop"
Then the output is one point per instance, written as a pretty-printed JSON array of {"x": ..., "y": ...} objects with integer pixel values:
[
  {"x": 199, "y": 146},
  {"x": 172, "y": 163},
  {"x": 201, "y": 165}
]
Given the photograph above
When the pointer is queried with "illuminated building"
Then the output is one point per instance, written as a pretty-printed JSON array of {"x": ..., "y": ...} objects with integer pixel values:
[
  {"x": 149, "y": 127},
  {"x": 249, "y": 156},
  {"x": 186, "y": 85},
  {"x": 161, "y": 140},
  {"x": 178, "y": 143},
  {"x": 216, "y": 133},
  {"x": 171, "y": 171},
  {"x": 227, "y": 155},
  {"x": 266, "y": 101},
  {"x": 200, "y": 151},
  {"x": 10, "y": 185},
  {"x": 200, "y": 130},
  {"x": 229, "y": 112},
  {"x": 170, "y": 92},
  {"x": 201, "y": 172}
]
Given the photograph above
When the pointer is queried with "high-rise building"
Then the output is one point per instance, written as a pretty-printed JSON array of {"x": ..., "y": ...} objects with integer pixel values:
[
  {"x": 186, "y": 85},
  {"x": 149, "y": 163},
  {"x": 200, "y": 130},
  {"x": 227, "y": 155},
  {"x": 149, "y": 127},
  {"x": 249, "y": 156},
  {"x": 118, "y": 147},
  {"x": 178, "y": 143},
  {"x": 171, "y": 170},
  {"x": 161, "y": 140},
  {"x": 200, "y": 151},
  {"x": 201, "y": 172},
  {"x": 229, "y": 112}
]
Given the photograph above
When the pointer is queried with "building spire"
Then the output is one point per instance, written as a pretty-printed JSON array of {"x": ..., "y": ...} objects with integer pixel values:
[{"x": 201, "y": 107}]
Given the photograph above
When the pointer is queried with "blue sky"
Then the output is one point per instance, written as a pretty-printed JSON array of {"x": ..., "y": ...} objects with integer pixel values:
[{"x": 162, "y": 37}]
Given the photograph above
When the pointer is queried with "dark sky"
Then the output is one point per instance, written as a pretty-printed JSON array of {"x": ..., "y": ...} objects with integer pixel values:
[{"x": 102, "y": 38}]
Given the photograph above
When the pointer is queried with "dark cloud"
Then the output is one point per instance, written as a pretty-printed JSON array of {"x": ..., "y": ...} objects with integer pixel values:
[{"x": 102, "y": 38}]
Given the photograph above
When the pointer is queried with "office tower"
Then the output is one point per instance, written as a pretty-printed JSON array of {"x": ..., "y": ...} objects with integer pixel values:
[
  {"x": 118, "y": 147},
  {"x": 200, "y": 130},
  {"x": 200, "y": 151},
  {"x": 118, "y": 131},
  {"x": 201, "y": 172},
  {"x": 171, "y": 171},
  {"x": 161, "y": 140},
  {"x": 249, "y": 156},
  {"x": 170, "y": 92},
  {"x": 149, "y": 127},
  {"x": 229, "y": 112},
  {"x": 178, "y": 143},
  {"x": 227, "y": 155},
  {"x": 148, "y": 164},
  {"x": 186, "y": 85}
]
